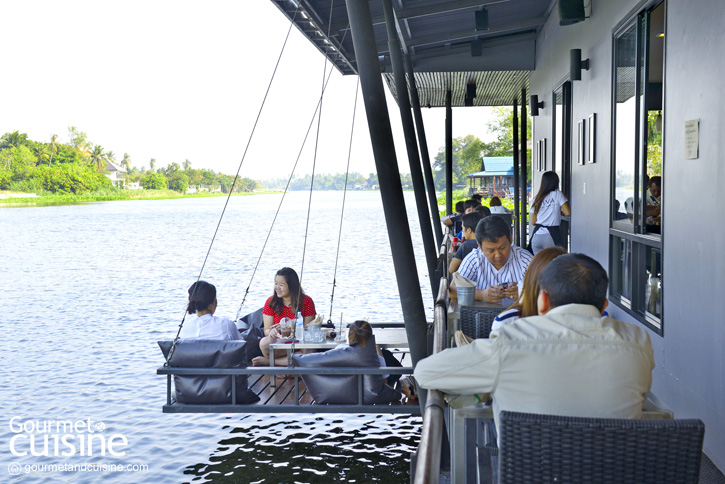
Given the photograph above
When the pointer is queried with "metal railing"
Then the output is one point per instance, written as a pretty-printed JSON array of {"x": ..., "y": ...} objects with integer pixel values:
[{"x": 427, "y": 467}]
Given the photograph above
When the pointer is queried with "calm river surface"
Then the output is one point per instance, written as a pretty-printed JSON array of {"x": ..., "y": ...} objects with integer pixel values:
[{"x": 87, "y": 290}]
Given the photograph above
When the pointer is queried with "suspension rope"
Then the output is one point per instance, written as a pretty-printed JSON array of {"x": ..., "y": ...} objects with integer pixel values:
[
  {"x": 312, "y": 184},
  {"x": 284, "y": 194},
  {"x": 344, "y": 195},
  {"x": 289, "y": 180},
  {"x": 231, "y": 189}
]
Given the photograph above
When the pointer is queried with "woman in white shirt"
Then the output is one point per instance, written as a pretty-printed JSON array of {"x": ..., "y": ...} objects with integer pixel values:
[
  {"x": 546, "y": 212},
  {"x": 496, "y": 207},
  {"x": 203, "y": 302}
]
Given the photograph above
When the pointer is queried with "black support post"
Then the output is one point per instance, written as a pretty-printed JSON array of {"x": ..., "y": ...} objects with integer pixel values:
[
  {"x": 416, "y": 174},
  {"x": 517, "y": 181},
  {"x": 524, "y": 192},
  {"x": 391, "y": 192},
  {"x": 449, "y": 154},
  {"x": 424, "y": 154}
]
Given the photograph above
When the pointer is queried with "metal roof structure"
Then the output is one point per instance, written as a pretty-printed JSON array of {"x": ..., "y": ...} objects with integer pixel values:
[
  {"x": 446, "y": 50},
  {"x": 495, "y": 166}
]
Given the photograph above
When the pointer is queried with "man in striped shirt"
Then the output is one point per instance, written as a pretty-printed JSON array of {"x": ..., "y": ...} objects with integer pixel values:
[{"x": 496, "y": 266}]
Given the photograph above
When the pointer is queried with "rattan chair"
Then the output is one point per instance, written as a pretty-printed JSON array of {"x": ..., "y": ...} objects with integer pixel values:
[
  {"x": 548, "y": 448},
  {"x": 470, "y": 317}
]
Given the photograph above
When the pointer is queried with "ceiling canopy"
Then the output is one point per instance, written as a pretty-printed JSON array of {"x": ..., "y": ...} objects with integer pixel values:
[{"x": 441, "y": 37}]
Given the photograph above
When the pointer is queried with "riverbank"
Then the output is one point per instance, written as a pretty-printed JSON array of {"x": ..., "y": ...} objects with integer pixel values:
[{"x": 105, "y": 195}]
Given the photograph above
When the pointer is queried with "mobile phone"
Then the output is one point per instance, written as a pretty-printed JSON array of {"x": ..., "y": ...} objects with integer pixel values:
[{"x": 505, "y": 285}]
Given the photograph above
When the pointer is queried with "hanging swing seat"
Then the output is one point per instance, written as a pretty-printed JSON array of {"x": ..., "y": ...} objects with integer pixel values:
[
  {"x": 213, "y": 377},
  {"x": 290, "y": 394}
]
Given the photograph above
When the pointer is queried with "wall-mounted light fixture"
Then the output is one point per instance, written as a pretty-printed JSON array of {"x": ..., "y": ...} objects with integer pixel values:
[
  {"x": 535, "y": 105},
  {"x": 482, "y": 19},
  {"x": 476, "y": 48},
  {"x": 576, "y": 64},
  {"x": 470, "y": 94}
]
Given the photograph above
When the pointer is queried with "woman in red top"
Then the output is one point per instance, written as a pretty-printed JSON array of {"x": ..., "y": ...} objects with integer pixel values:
[{"x": 288, "y": 299}]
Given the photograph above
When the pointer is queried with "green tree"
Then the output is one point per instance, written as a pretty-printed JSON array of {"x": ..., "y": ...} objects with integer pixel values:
[
  {"x": 42, "y": 153},
  {"x": 467, "y": 152},
  {"x": 110, "y": 156},
  {"x": 77, "y": 139},
  {"x": 178, "y": 181},
  {"x": 153, "y": 181},
  {"x": 53, "y": 147},
  {"x": 152, "y": 164},
  {"x": 187, "y": 165},
  {"x": 126, "y": 161},
  {"x": 13, "y": 140},
  {"x": 97, "y": 157}
]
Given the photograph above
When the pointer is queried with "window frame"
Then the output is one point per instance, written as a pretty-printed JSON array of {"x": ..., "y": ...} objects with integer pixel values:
[{"x": 634, "y": 234}]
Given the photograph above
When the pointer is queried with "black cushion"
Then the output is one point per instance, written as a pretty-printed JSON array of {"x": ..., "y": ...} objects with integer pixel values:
[
  {"x": 343, "y": 389},
  {"x": 209, "y": 354}
]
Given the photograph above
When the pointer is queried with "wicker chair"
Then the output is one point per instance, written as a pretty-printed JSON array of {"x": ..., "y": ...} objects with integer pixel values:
[
  {"x": 549, "y": 448},
  {"x": 470, "y": 317}
]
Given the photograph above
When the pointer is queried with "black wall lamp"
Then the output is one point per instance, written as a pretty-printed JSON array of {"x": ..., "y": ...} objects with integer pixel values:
[
  {"x": 535, "y": 105},
  {"x": 576, "y": 64},
  {"x": 482, "y": 19},
  {"x": 470, "y": 94}
]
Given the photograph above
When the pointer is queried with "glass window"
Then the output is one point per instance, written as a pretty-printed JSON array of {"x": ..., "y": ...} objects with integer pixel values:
[{"x": 636, "y": 228}]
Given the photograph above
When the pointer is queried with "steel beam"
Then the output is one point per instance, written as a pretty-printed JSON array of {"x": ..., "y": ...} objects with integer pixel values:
[
  {"x": 416, "y": 174},
  {"x": 425, "y": 155},
  {"x": 449, "y": 153},
  {"x": 517, "y": 181},
  {"x": 524, "y": 191},
  {"x": 391, "y": 192}
]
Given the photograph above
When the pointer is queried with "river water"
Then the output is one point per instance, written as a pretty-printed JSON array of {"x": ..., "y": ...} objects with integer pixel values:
[{"x": 88, "y": 289}]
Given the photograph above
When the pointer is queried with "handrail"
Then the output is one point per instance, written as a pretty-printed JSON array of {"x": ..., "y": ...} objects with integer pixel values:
[{"x": 427, "y": 467}]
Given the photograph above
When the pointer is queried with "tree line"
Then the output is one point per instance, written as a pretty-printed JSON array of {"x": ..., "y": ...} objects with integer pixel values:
[{"x": 79, "y": 166}]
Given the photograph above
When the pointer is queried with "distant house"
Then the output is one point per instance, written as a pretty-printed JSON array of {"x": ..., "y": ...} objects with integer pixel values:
[
  {"x": 115, "y": 173},
  {"x": 133, "y": 185},
  {"x": 495, "y": 178}
]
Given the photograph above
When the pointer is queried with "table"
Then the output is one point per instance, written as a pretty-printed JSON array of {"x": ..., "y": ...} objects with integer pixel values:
[
  {"x": 454, "y": 314},
  {"x": 384, "y": 337}
]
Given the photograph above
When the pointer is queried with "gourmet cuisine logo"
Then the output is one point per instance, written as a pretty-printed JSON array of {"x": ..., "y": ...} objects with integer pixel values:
[{"x": 66, "y": 438}]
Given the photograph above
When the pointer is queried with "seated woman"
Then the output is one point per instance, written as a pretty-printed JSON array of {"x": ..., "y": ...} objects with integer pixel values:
[
  {"x": 526, "y": 305},
  {"x": 358, "y": 333},
  {"x": 343, "y": 389},
  {"x": 206, "y": 326},
  {"x": 496, "y": 207},
  {"x": 287, "y": 299}
]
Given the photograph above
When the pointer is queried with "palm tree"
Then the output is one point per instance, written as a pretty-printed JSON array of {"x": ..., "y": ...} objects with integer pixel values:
[
  {"x": 126, "y": 161},
  {"x": 110, "y": 156},
  {"x": 152, "y": 164},
  {"x": 187, "y": 164},
  {"x": 53, "y": 147},
  {"x": 97, "y": 157},
  {"x": 14, "y": 139},
  {"x": 41, "y": 151}
]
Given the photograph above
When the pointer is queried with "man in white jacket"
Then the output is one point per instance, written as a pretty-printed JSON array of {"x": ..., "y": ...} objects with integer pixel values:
[{"x": 568, "y": 360}]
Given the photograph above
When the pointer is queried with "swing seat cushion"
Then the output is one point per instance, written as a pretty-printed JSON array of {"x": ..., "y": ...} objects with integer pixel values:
[
  {"x": 209, "y": 354},
  {"x": 343, "y": 389}
]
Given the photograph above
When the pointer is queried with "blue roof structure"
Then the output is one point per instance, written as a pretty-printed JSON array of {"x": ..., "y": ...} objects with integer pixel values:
[{"x": 495, "y": 166}]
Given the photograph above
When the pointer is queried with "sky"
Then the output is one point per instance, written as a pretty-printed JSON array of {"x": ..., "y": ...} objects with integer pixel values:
[{"x": 177, "y": 80}]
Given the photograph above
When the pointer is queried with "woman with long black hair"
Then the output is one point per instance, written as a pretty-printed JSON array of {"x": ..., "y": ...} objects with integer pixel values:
[
  {"x": 286, "y": 301},
  {"x": 546, "y": 212}
]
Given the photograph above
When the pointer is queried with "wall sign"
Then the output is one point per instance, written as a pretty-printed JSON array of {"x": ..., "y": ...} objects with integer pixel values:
[{"x": 692, "y": 139}]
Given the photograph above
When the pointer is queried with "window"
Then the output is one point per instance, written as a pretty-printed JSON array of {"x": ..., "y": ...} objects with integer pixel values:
[
  {"x": 561, "y": 147},
  {"x": 636, "y": 222}
]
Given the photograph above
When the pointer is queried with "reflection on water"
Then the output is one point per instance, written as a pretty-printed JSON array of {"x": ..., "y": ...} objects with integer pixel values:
[
  {"x": 89, "y": 289},
  {"x": 308, "y": 448}
]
